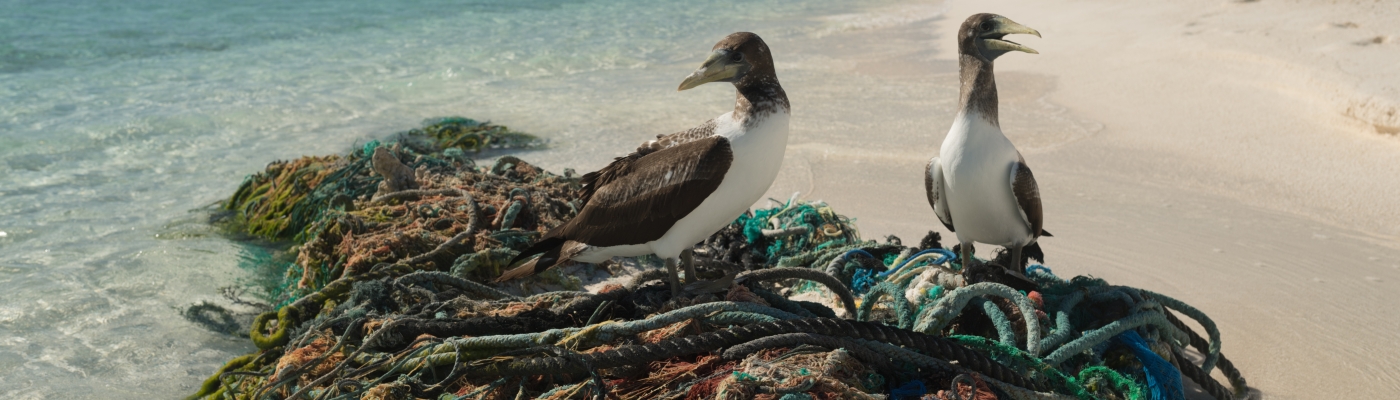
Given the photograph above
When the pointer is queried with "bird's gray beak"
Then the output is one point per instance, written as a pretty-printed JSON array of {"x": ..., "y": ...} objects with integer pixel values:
[
  {"x": 715, "y": 68},
  {"x": 1007, "y": 27}
]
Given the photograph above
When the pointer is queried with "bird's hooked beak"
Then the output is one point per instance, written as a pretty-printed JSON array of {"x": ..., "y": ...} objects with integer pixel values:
[
  {"x": 719, "y": 67},
  {"x": 992, "y": 40}
]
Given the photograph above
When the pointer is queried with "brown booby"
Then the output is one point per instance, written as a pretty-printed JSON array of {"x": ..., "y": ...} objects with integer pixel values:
[
  {"x": 676, "y": 190},
  {"x": 979, "y": 180}
]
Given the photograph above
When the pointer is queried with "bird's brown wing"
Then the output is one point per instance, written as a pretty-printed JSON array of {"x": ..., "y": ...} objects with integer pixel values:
[
  {"x": 622, "y": 165},
  {"x": 933, "y": 188},
  {"x": 639, "y": 197},
  {"x": 1027, "y": 195}
]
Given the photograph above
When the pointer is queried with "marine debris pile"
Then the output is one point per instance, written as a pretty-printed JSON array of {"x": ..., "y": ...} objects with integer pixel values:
[{"x": 387, "y": 300}]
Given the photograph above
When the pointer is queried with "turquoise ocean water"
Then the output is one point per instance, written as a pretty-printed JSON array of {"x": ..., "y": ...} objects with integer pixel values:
[{"x": 121, "y": 121}]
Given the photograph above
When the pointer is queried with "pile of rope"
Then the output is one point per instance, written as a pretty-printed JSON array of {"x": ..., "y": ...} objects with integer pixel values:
[{"x": 386, "y": 300}]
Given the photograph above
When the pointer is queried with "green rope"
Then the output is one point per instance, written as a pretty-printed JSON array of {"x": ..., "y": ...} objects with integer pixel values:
[
  {"x": 1116, "y": 381},
  {"x": 213, "y": 386},
  {"x": 1035, "y": 367},
  {"x": 286, "y": 317}
]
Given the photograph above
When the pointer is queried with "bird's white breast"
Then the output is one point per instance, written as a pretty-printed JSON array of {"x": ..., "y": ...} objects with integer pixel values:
[
  {"x": 758, "y": 148},
  {"x": 977, "y": 160}
]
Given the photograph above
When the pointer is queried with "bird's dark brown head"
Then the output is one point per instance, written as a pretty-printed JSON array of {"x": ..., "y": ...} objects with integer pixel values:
[
  {"x": 740, "y": 58},
  {"x": 981, "y": 36}
]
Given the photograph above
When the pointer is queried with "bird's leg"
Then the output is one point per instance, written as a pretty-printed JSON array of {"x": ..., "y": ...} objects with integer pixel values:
[
  {"x": 688, "y": 261},
  {"x": 675, "y": 279},
  {"x": 1016, "y": 266},
  {"x": 966, "y": 249}
]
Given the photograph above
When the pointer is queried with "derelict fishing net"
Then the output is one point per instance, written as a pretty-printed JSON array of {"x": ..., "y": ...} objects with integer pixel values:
[{"x": 388, "y": 297}]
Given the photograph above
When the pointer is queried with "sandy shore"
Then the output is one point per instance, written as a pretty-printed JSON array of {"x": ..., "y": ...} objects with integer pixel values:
[{"x": 1239, "y": 156}]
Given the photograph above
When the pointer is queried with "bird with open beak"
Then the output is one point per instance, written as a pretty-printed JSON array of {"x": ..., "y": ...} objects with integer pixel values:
[
  {"x": 678, "y": 189},
  {"x": 979, "y": 183}
]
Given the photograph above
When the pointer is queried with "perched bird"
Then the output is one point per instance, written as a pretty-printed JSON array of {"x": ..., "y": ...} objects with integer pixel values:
[
  {"x": 979, "y": 183},
  {"x": 678, "y": 189}
]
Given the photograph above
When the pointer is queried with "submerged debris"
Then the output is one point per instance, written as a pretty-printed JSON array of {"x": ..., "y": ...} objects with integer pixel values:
[{"x": 386, "y": 300}]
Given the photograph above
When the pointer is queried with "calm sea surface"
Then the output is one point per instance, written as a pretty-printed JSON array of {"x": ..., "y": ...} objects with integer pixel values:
[{"x": 121, "y": 121}]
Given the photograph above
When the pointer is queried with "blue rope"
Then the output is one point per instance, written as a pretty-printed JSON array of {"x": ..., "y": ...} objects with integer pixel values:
[
  {"x": 847, "y": 256},
  {"x": 863, "y": 280},
  {"x": 1163, "y": 380},
  {"x": 946, "y": 255},
  {"x": 1031, "y": 269}
]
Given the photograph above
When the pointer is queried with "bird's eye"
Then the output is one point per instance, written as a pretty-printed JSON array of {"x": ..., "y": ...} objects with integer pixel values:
[
  {"x": 986, "y": 25},
  {"x": 737, "y": 56}
]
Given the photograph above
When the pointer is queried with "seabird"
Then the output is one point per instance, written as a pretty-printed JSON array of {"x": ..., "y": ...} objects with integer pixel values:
[
  {"x": 979, "y": 180},
  {"x": 676, "y": 190}
]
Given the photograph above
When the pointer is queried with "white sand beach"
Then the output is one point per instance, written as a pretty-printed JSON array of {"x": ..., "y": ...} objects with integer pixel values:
[{"x": 1240, "y": 156}]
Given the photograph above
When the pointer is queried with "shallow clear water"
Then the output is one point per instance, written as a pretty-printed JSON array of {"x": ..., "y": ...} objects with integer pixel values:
[{"x": 119, "y": 121}]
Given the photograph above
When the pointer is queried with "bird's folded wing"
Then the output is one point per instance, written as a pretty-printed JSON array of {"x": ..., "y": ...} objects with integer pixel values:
[
  {"x": 638, "y": 198},
  {"x": 1027, "y": 196},
  {"x": 703, "y": 131},
  {"x": 933, "y": 187},
  {"x": 622, "y": 165}
]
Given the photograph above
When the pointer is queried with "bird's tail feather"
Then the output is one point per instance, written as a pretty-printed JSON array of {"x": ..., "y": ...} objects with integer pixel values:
[
  {"x": 545, "y": 261},
  {"x": 544, "y": 245}
]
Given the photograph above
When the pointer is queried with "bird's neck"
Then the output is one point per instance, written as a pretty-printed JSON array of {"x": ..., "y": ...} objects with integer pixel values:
[
  {"x": 756, "y": 101},
  {"x": 978, "y": 94}
]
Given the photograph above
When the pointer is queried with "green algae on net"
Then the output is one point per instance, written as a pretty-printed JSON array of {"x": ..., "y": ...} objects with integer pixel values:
[
  {"x": 385, "y": 300},
  {"x": 281, "y": 201}
]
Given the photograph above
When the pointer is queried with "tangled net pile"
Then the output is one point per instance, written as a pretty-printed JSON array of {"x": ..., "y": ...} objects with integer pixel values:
[{"x": 386, "y": 301}]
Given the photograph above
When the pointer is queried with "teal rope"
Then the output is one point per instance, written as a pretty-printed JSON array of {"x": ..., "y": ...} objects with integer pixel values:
[
  {"x": 1094, "y": 337},
  {"x": 511, "y": 212},
  {"x": 1214, "y": 355},
  {"x": 1063, "y": 327},
  {"x": 999, "y": 320},
  {"x": 728, "y": 318},
  {"x": 443, "y": 278},
  {"x": 938, "y": 317},
  {"x": 903, "y": 312}
]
